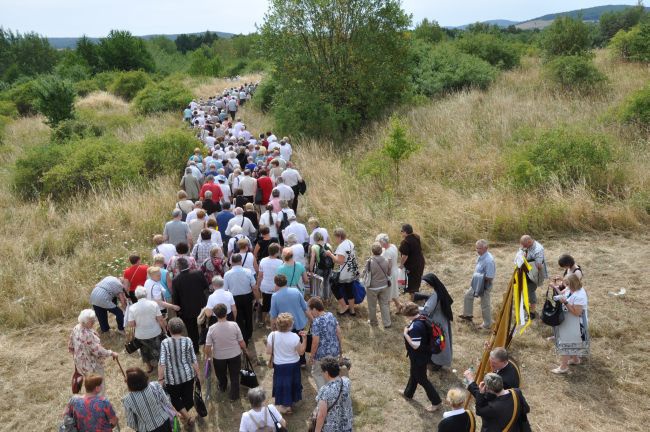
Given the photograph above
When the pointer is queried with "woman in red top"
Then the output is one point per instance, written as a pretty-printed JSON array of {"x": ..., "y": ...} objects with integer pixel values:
[
  {"x": 266, "y": 184},
  {"x": 135, "y": 276}
]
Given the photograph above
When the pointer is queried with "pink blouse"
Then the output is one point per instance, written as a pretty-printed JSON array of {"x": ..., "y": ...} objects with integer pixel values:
[{"x": 86, "y": 349}]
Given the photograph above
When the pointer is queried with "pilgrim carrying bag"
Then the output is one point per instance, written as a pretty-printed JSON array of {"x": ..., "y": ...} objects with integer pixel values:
[
  {"x": 199, "y": 404},
  {"x": 552, "y": 313},
  {"x": 247, "y": 375},
  {"x": 77, "y": 381}
]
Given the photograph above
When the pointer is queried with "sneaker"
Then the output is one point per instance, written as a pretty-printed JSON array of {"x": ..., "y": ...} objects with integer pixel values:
[
  {"x": 560, "y": 371},
  {"x": 433, "y": 408}
]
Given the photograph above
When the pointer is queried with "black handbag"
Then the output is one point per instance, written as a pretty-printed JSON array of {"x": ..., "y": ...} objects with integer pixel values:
[
  {"x": 247, "y": 375},
  {"x": 198, "y": 399},
  {"x": 552, "y": 312},
  {"x": 278, "y": 425},
  {"x": 132, "y": 346}
]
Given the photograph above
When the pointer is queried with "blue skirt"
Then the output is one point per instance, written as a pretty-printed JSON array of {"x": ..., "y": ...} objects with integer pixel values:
[{"x": 287, "y": 384}]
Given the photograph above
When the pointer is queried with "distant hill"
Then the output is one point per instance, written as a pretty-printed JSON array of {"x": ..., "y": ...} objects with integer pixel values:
[
  {"x": 71, "y": 42},
  {"x": 592, "y": 14}
]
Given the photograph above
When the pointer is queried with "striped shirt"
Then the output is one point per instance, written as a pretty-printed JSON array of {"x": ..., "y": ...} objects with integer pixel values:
[
  {"x": 177, "y": 355},
  {"x": 148, "y": 409},
  {"x": 105, "y": 291}
]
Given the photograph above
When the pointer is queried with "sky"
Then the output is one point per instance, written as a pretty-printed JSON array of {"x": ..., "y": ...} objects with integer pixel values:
[{"x": 71, "y": 18}]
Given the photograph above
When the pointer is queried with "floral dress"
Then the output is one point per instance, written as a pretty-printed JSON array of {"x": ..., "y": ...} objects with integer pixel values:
[{"x": 86, "y": 349}]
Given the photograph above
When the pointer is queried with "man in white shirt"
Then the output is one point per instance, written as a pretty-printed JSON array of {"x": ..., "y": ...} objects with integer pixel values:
[
  {"x": 198, "y": 205},
  {"x": 167, "y": 250},
  {"x": 240, "y": 220},
  {"x": 224, "y": 188},
  {"x": 248, "y": 185},
  {"x": 273, "y": 145},
  {"x": 315, "y": 227},
  {"x": 237, "y": 128},
  {"x": 286, "y": 193},
  {"x": 291, "y": 178},
  {"x": 220, "y": 295},
  {"x": 285, "y": 149},
  {"x": 209, "y": 141},
  {"x": 296, "y": 228},
  {"x": 241, "y": 284}
]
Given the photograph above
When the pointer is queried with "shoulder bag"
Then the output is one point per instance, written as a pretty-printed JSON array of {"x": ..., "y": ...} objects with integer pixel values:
[
  {"x": 77, "y": 381},
  {"x": 314, "y": 413},
  {"x": 278, "y": 425},
  {"x": 552, "y": 313},
  {"x": 247, "y": 375},
  {"x": 388, "y": 283}
]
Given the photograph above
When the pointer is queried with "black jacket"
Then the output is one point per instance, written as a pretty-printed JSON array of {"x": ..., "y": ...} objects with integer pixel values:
[
  {"x": 189, "y": 292},
  {"x": 457, "y": 423},
  {"x": 510, "y": 376},
  {"x": 496, "y": 412}
]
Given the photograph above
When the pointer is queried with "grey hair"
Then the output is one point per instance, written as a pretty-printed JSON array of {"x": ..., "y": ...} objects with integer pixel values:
[
  {"x": 176, "y": 213},
  {"x": 182, "y": 264},
  {"x": 86, "y": 315},
  {"x": 279, "y": 180},
  {"x": 188, "y": 170},
  {"x": 256, "y": 396},
  {"x": 493, "y": 382},
  {"x": 208, "y": 194},
  {"x": 382, "y": 238},
  {"x": 239, "y": 211},
  {"x": 217, "y": 281},
  {"x": 176, "y": 326},
  {"x": 500, "y": 354},
  {"x": 140, "y": 292},
  {"x": 292, "y": 239},
  {"x": 236, "y": 230},
  {"x": 482, "y": 243}
]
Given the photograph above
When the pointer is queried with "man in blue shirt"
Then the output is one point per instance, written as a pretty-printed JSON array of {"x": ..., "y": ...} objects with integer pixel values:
[
  {"x": 240, "y": 282},
  {"x": 481, "y": 285},
  {"x": 223, "y": 217},
  {"x": 291, "y": 300}
]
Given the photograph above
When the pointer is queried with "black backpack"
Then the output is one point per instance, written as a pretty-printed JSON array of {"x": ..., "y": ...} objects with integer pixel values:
[{"x": 325, "y": 262}]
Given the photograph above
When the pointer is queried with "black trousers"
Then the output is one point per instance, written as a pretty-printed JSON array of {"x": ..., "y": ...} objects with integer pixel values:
[
  {"x": 418, "y": 375},
  {"x": 192, "y": 331},
  {"x": 181, "y": 395},
  {"x": 294, "y": 202},
  {"x": 244, "y": 305},
  {"x": 228, "y": 368}
]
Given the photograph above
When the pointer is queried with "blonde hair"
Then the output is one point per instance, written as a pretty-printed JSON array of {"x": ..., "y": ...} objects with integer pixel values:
[
  {"x": 159, "y": 259},
  {"x": 153, "y": 270},
  {"x": 284, "y": 321},
  {"x": 573, "y": 282},
  {"x": 456, "y": 397}
]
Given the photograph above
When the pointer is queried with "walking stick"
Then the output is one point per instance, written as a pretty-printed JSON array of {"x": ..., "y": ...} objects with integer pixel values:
[{"x": 120, "y": 366}]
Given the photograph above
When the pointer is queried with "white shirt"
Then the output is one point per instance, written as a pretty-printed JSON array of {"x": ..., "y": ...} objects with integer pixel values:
[
  {"x": 270, "y": 221},
  {"x": 191, "y": 216},
  {"x": 288, "y": 211},
  {"x": 269, "y": 267},
  {"x": 232, "y": 243},
  {"x": 299, "y": 253},
  {"x": 453, "y": 412},
  {"x": 221, "y": 296},
  {"x": 291, "y": 177},
  {"x": 299, "y": 230},
  {"x": 246, "y": 225},
  {"x": 226, "y": 192},
  {"x": 248, "y": 185},
  {"x": 286, "y": 151},
  {"x": 167, "y": 250},
  {"x": 209, "y": 141},
  {"x": 284, "y": 347},
  {"x": 346, "y": 249},
  {"x": 247, "y": 261},
  {"x": 322, "y": 232},
  {"x": 286, "y": 193},
  {"x": 154, "y": 291},
  {"x": 263, "y": 418},
  {"x": 144, "y": 313}
]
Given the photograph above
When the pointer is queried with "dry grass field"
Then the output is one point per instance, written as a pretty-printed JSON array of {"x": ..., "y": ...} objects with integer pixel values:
[{"x": 52, "y": 255}]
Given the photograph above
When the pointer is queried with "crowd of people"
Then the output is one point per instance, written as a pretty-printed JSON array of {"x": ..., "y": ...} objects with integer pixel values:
[{"x": 234, "y": 257}]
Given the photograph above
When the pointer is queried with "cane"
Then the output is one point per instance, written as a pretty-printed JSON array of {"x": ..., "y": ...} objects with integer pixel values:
[{"x": 120, "y": 366}]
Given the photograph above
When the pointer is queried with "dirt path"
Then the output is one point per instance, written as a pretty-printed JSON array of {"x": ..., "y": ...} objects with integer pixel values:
[{"x": 609, "y": 393}]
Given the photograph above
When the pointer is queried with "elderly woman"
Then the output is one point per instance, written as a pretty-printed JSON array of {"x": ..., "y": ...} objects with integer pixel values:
[
  {"x": 236, "y": 233},
  {"x": 458, "y": 419},
  {"x": 224, "y": 344},
  {"x": 184, "y": 204},
  {"x": 177, "y": 369},
  {"x": 248, "y": 260},
  {"x": 182, "y": 251},
  {"x": 298, "y": 249},
  {"x": 334, "y": 399},
  {"x": 391, "y": 254},
  {"x": 326, "y": 338},
  {"x": 213, "y": 266},
  {"x": 412, "y": 259},
  {"x": 285, "y": 349},
  {"x": 146, "y": 406},
  {"x": 268, "y": 268},
  {"x": 497, "y": 407},
  {"x": 102, "y": 298},
  {"x": 438, "y": 310},
  {"x": 260, "y": 416},
  {"x": 294, "y": 271},
  {"x": 378, "y": 291},
  {"x": 147, "y": 320},
  {"x": 346, "y": 258},
  {"x": 572, "y": 336},
  {"x": 87, "y": 352},
  {"x": 156, "y": 291},
  {"x": 92, "y": 412}
]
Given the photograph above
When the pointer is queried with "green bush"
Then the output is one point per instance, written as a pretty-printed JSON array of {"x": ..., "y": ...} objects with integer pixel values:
[
  {"x": 167, "y": 152},
  {"x": 92, "y": 163},
  {"x": 633, "y": 45},
  {"x": 127, "y": 84},
  {"x": 636, "y": 108},
  {"x": 28, "y": 182},
  {"x": 76, "y": 129},
  {"x": 257, "y": 66},
  {"x": 169, "y": 95},
  {"x": 204, "y": 62},
  {"x": 3, "y": 123},
  {"x": 491, "y": 48},
  {"x": 85, "y": 87},
  {"x": 563, "y": 155},
  {"x": 264, "y": 95},
  {"x": 575, "y": 72},
  {"x": 104, "y": 80},
  {"x": 55, "y": 99},
  {"x": 8, "y": 109},
  {"x": 444, "y": 68},
  {"x": 567, "y": 36},
  {"x": 236, "y": 68},
  {"x": 23, "y": 95}
]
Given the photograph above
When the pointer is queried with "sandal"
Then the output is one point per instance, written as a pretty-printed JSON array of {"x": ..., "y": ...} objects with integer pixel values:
[
  {"x": 433, "y": 408},
  {"x": 345, "y": 312},
  {"x": 560, "y": 371},
  {"x": 574, "y": 363}
]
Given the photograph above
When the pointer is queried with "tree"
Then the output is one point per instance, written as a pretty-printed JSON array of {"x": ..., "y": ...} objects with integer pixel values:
[
  {"x": 566, "y": 36},
  {"x": 26, "y": 54},
  {"x": 612, "y": 22},
  {"x": 398, "y": 145},
  {"x": 55, "y": 99},
  {"x": 336, "y": 63},
  {"x": 89, "y": 52},
  {"x": 429, "y": 31},
  {"x": 123, "y": 51},
  {"x": 190, "y": 42},
  {"x": 204, "y": 62}
]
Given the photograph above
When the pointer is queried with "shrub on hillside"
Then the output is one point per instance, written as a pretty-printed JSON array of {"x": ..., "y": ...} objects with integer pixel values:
[
  {"x": 167, "y": 152},
  {"x": 567, "y": 36},
  {"x": 204, "y": 62},
  {"x": 127, "y": 84},
  {"x": 257, "y": 66},
  {"x": 164, "y": 96},
  {"x": 633, "y": 45},
  {"x": 105, "y": 79},
  {"x": 444, "y": 68},
  {"x": 236, "y": 68},
  {"x": 563, "y": 155},
  {"x": 491, "y": 48},
  {"x": 636, "y": 108},
  {"x": 76, "y": 129},
  {"x": 8, "y": 109},
  {"x": 3, "y": 123},
  {"x": 264, "y": 95},
  {"x": 576, "y": 72},
  {"x": 85, "y": 87},
  {"x": 29, "y": 170},
  {"x": 23, "y": 95},
  {"x": 55, "y": 99}
]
